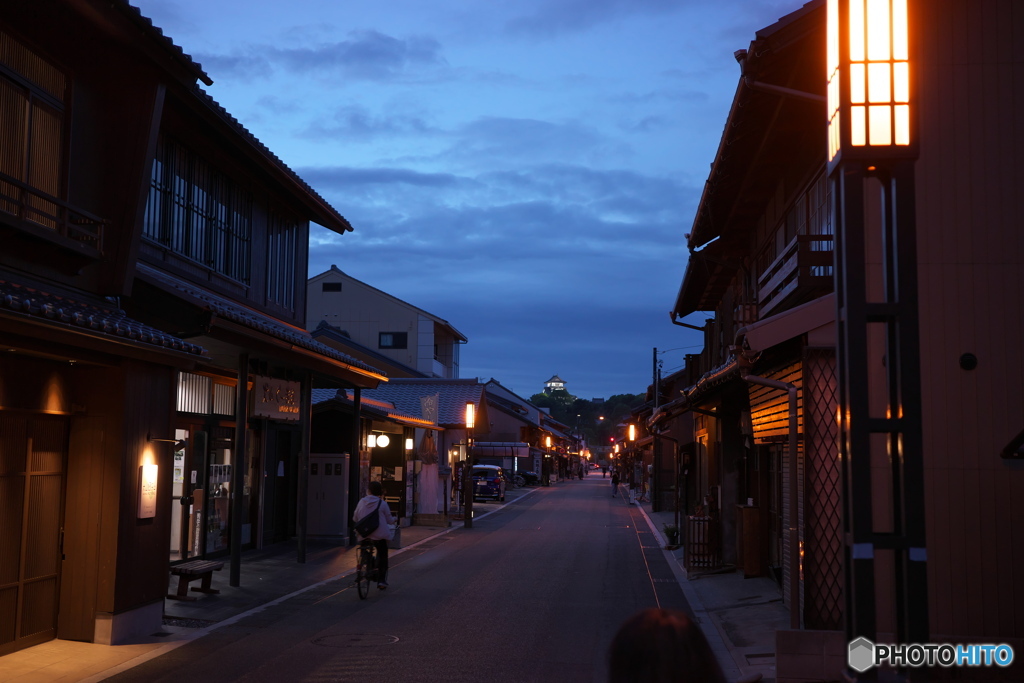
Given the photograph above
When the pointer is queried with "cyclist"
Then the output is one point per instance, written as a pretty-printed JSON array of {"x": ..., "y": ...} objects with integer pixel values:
[{"x": 383, "y": 533}]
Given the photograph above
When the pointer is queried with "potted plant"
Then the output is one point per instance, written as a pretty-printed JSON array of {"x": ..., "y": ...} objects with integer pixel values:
[{"x": 672, "y": 533}]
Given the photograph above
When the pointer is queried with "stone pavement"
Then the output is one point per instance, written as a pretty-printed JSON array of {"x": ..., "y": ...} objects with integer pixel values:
[{"x": 739, "y": 616}]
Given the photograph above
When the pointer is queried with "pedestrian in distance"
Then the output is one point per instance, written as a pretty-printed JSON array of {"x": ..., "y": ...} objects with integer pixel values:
[
  {"x": 383, "y": 533},
  {"x": 604, "y": 471},
  {"x": 661, "y": 646},
  {"x": 615, "y": 484}
]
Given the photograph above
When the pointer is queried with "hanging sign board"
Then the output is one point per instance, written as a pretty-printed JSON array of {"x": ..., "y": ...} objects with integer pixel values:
[{"x": 276, "y": 399}]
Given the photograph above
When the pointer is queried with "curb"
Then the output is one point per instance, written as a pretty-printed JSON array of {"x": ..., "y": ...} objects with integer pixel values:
[{"x": 720, "y": 645}]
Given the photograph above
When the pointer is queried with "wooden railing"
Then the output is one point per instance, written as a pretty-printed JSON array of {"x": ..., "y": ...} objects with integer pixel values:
[
  {"x": 805, "y": 263},
  {"x": 38, "y": 208}
]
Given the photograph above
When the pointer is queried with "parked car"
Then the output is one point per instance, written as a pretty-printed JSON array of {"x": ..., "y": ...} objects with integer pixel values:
[
  {"x": 488, "y": 482},
  {"x": 531, "y": 478}
]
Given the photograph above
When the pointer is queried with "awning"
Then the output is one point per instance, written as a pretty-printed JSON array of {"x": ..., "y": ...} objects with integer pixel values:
[
  {"x": 693, "y": 396},
  {"x": 245, "y": 327},
  {"x": 501, "y": 449},
  {"x": 60, "y": 318},
  {"x": 814, "y": 316}
]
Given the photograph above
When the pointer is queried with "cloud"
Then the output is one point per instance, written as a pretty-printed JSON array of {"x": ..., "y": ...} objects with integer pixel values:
[
  {"x": 553, "y": 17},
  {"x": 364, "y": 55},
  {"x": 356, "y": 122}
]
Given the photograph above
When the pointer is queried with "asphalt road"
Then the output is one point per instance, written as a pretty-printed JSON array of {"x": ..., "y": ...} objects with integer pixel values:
[{"x": 534, "y": 592}]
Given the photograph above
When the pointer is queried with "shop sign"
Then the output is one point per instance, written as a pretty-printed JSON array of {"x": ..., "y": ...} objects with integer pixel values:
[{"x": 277, "y": 399}]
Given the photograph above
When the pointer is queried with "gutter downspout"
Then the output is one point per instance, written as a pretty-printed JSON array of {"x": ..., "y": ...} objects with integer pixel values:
[
  {"x": 741, "y": 57},
  {"x": 672, "y": 317},
  {"x": 794, "y": 536}
]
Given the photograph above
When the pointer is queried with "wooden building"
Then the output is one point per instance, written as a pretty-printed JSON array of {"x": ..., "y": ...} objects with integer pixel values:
[
  {"x": 154, "y": 358},
  {"x": 765, "y": 405}
]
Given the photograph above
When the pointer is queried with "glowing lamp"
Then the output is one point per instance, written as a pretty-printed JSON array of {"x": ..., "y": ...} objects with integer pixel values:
[
  {"x": 868, "y": 62},
  {"x": 371, "y": 441},
  {"x": 547, "y": 442},
  {"x": 383, "y": 440},
  {"x": 470, "y": 416},
  {"x": 632, "y": 432},
  {"x": 148, "y": 478},
  {"x": 408, "y": 444}
]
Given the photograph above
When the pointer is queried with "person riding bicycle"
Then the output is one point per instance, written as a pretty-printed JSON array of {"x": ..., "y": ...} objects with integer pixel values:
[{"x": 383, "y": 533}]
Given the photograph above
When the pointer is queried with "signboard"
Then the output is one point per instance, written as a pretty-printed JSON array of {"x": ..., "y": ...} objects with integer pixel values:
[
  {"x": 276, "y": 399},
  {"x": 147, "y": 491}
]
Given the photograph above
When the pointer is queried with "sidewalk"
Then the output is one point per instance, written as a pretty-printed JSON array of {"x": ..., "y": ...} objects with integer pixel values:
[
  {"x": 266, "y": 577},
  {"x": 739, "y": 616}
]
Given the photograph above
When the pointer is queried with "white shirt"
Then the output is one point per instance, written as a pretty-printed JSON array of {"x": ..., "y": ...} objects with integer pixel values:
[{"x": 383, "y": 530}]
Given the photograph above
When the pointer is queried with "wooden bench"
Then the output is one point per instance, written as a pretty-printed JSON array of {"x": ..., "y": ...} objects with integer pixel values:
[{"x": 190, "y": 571}]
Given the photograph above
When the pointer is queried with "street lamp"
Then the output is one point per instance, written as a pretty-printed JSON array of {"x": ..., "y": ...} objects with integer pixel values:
[
  {"x": 467, "y": 473},
  {"x": 872, "y": 138},
  {"x": 868, "y": 71}
]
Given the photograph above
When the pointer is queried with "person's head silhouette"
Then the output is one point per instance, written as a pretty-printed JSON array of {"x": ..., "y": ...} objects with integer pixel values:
[{"x": 661, "y": 646}]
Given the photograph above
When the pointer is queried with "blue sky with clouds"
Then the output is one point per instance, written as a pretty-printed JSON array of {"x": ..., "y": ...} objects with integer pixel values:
[{"x": 525, "y": 170}]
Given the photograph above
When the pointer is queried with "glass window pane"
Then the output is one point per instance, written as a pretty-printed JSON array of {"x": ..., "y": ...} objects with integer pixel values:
[
  {"x": 901, "y": 82},
  {"x": 880, "y": 122},
  {"x": 902, "y": 124},
  {"x": 857, "y": 30},
  {"x": 879, "y": 83},
  {"x": 858, "y": 126},
  {"x": 858, "y": 84},
  {"x": 879, "y": 45}
]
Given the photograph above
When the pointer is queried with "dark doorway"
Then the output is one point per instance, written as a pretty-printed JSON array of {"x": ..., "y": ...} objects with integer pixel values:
[
  {"x": 33, "y": 458},
  {"x": 279, "y": 478}
]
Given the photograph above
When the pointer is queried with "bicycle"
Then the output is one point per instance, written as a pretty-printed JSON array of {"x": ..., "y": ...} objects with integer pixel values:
[
  {"x": 366, "y": 568},
  {"x": 645, "y": 495}
]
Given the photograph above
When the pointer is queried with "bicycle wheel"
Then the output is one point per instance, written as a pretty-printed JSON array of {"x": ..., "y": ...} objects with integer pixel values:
[
  {"x": 519, "y": 481},
  {"x": 363, "y": 571}
]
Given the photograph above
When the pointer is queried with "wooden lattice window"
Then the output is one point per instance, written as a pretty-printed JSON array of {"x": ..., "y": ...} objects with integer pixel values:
[
  {"x": 32, "y": 96},
  {"x": 198, "y": 212}
]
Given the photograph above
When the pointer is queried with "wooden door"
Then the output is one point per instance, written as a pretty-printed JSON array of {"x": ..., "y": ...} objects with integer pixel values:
[
  {"x": 33, "y": 457},
  {"x": 328, "y": 486}
]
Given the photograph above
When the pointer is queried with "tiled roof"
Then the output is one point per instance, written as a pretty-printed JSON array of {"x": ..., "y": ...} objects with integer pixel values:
[
  {"x": 147, "y": 26},
  {"x": 329, "y": 213},
  {"x": 325, "y": 329},
  {"x": 100, "y": 320},
  {"x": 369, "y": 404},
  {"x": 250, "y": 318},
  {"x": 405, "y": 394}
]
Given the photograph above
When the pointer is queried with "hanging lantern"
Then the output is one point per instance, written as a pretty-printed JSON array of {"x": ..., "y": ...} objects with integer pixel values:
[{"x": 869, "y": 98}]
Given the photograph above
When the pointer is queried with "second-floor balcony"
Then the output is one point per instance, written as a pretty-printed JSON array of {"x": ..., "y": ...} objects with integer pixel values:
[
  {"x": 44, "y": 216},
  {"x": 803, "y": 267}
]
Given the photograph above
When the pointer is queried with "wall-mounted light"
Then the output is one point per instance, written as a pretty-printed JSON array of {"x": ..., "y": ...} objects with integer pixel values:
[
  {"x": 632, "y": 432},
  {"x": 383, "y": 440},
  {"x": 408, "y": 444},
  {"x": 371, "y": 440},
  {"x": 470, "y": 415},
  {"x": 868, "y": 62},
  {"x": 547, "y": 442}
]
